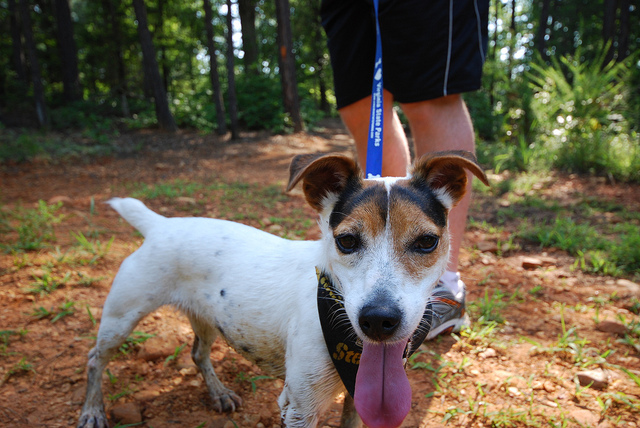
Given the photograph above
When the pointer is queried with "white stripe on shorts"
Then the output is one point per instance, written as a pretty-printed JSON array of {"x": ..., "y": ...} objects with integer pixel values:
[
  {"x": 479, "y": 24},
  {"x": 446, "y": 71}
]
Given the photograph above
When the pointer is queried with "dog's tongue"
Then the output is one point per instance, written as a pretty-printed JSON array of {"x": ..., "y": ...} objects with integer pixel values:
[{"x": 382, "y": 394}]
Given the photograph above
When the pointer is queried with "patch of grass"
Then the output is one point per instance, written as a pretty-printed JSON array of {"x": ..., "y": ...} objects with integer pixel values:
[
  {"x": 570, "y": 346},
  {"x": 96, "y": 249},
  {"x": 477, "y": 334},
  {"x": 23, "y": 145},
  {"x": 488, "y": 307},
  {"x": 5, "y": 337},
  {"x": 22, "y": 366},
  {"x": 169, "y": 190},
  {"x": 613, "y": 254},
  {"x": 34, "y": 227},
  {"x": 47, "y": 283},
  {"x": 66, "y": 309},
  {"x": 238, "y": 194},
  {"x": 88, "y": 281}
]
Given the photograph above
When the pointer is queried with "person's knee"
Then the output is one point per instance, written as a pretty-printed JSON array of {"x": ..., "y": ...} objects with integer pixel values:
[{"x": 425, "y": 110}]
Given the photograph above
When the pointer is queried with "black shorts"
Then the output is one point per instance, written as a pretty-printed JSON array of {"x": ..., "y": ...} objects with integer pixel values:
[{"x": 430, "y": 48}]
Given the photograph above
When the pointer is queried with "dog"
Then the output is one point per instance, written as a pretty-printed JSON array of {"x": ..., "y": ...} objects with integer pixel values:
[{"x": 384, "y": 245}]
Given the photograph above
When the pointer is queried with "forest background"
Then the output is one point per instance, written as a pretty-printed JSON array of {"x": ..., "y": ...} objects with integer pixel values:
[{"x": 561, "y": 83}]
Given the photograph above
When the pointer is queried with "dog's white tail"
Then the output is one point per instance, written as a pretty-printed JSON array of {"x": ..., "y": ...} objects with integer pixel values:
[{"x": 136, "y": 213}]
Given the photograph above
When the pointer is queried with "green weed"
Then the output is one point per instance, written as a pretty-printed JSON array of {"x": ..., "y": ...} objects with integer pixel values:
[
  {"x": 489, "y": 307},
  {"x": 94, "y": 248},
  {"x": 47, "y": 283},
  {"x": 5, "y": 337},
  {"x": 66, "y": 309},
  {"x": 176, "y": 353},
  {"x": 136, "y": 338},
  {"x": 22, "y": 366},
  {"x": 88, "y": 281},
  {"x": 34, "y": 227},
  {"x": 569, "y": 346},
  {"x": 242, "y": 377},
  {"x": 91, "y": 317}
]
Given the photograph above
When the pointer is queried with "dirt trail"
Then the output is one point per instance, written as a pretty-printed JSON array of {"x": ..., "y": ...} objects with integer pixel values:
[{"x": 521, "y": 371}]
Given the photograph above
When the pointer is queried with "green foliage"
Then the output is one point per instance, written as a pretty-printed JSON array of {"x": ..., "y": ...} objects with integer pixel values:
[
  {"x": 615, "y": 252},
  {"x": 18, "y": 147},
  {"x": 579, "y": 106},
  {"x": 25, "y": 145},
  {"x": 169, "y": 190},
  {"x": 485, "y": 121},
  {"x": 260, "y": 103}
]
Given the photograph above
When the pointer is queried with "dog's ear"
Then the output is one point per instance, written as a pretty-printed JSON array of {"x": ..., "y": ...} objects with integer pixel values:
[
  {"x": 444, "y": 173},
  {"x": 322, "y": 175}
]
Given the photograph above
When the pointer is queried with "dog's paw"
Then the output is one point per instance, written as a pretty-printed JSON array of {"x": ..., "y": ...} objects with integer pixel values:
[
  {"x": 93, "y": 419},
  {"x": 226, "y": 402}
]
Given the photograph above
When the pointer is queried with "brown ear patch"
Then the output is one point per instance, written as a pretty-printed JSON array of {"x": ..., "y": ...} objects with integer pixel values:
[
  {"x": 445, "y": 171},
  {"x": 321, "y": 175}
]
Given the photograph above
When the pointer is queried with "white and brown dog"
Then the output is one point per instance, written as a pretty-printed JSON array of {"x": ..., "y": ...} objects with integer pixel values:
[{"x": 384, "y": 245}]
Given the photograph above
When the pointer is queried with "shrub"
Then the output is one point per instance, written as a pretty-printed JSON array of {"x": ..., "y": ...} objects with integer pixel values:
[{"x": 578, "y": 106}]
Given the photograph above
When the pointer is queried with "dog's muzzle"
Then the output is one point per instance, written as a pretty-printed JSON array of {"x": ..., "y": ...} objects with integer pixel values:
[{"x": 343, "y": 344}]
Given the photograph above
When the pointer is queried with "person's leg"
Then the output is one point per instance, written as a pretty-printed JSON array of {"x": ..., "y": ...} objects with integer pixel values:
[
  {"x": 444, "y": 124},
  {"x": 395, "y": 149}
]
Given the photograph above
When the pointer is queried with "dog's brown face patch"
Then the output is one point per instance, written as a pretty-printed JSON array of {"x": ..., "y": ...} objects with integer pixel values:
[
  {"x": 361, "y": 212},
  {"x": 418, "y": 227},
  {"x": 410, "y": 218}
]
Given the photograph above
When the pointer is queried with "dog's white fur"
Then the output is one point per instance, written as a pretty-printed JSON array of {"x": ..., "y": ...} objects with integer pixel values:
[{"x": 259, "y": 292}]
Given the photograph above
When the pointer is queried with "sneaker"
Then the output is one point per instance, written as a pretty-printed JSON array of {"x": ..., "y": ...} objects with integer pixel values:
[{"x": 448, "y": 314}]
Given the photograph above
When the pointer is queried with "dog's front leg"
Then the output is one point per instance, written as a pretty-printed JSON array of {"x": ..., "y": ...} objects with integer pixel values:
[
  {"x": 350, "y": 417},
  {"x": 311, "y": 384}
]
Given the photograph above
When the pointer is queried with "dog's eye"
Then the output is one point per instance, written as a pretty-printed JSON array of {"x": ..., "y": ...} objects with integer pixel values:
[
  {"x": 425, "y": 244},
  {"x": 347, "y": 243}
]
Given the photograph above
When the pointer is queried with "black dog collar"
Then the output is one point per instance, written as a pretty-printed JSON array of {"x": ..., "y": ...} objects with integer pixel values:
[{"x": 343, "y": 344}]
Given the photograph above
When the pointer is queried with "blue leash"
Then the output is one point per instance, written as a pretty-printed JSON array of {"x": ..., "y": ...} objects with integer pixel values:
[{"x": 374, "y": 144}]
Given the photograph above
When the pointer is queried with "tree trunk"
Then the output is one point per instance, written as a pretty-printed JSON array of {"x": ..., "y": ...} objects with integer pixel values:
[
  {"x": 214, "y": 75},
  {"x": 17, "y": 56},
  {"x": 71, "y": 89},
  {"x": 150, "y": 65},
  {"x": 247, "y": 10},
  {"x": 623, "y": 39},
  {"x": 287, "y": 65},
  {"x": 512, "y": 42},
  {"x": 541, "y": 43},
  {"x": 609, "y": 28},
  {"x": 321, "y": 61},
  {"x": 233, "y": 102},
  {"x": 36, "y": 76},
  {"x": 163, "y": 50},
  {"x": 493, "y": 48},
  {"x": 121, "y": 71}
]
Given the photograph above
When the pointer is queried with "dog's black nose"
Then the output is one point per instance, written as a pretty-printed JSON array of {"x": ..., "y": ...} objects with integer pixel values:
[{"x": 379, "y": 322}]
